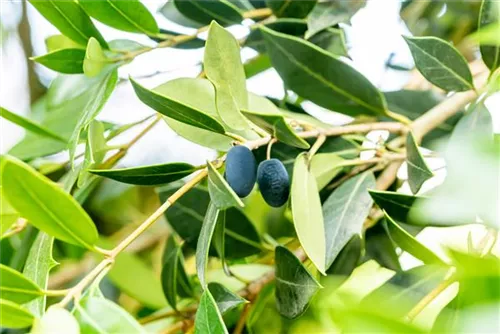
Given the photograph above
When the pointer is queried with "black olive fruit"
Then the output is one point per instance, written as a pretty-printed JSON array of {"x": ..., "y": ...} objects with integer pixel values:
[
  {"x": 274, "y": 182},
  {"x": 241, "y": 169}
]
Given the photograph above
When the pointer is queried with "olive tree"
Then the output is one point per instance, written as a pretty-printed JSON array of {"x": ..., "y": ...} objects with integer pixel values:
[{"x": 298, "y": 225}]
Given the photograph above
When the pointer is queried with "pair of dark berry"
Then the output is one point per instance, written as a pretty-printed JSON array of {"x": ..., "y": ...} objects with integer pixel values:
[{"x": 271, "y": 175}]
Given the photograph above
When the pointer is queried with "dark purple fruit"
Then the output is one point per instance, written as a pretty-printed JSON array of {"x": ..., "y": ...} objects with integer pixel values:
[
  {"x": 274, "y": 182},
  {"x": 241, "y": 169}
]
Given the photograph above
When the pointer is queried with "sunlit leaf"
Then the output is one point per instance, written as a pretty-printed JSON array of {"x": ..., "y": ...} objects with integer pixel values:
[
  {"x": 13, "y": 315},
  {"x": 418, "y": 171},
  {"x": 330, "y": 13},
  {"x": 225, "y": 299},
  {"x": 224, "y": 12},
  {"x": 69, "y": 61},
  {"x": 221, "y": 193},
  {"x": 95, "y": 59},
  {"x": 8, "y": 215},
  {"x": 16, "y": 287},
  {"x": 490, "y": 15},
  {"x": 58, "y": 42},
  {"x": 208, "y": 318},
  {"x": 331, "y": 40},
  {"x": 170, "y": 12},
  {"x": 204, "y": 241},
  {"x": 325, "y": 166}
]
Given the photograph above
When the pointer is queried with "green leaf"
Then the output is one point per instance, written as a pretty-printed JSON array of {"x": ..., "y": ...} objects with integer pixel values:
[
  {"x": 409, "y": 244},
  {"x": 379, "y": 247},
  {"x": 16, "y": 287},
  {"x": 331, "y": 40},
  {"x": 131, "y": 16},
  {"x": 256, "y": 65},
  {"x": 221, "y": 194},
  {"x": 95, "y": 150},
  {"x": 205, "y": 12},
  {"x": 396, "y": 205},
  {"x": 219, "y": 240},
  {"x": 148, "y": 292},
  {"x": 99, "y": 315},
  {"x": 288, "y": 8},
  {"x": 95, "y": 59},
  {"x": 490, "y": 14},
  {"x": 8, "y": 215},
  {"x": 176, "y": 110},
  {"x": 58, "y": 42},
  {"x": 98, "y": 95},
  {"x": 148, "y": 175},
  {"x": 195, "y": 43},
  {"x": 348, "y": 258},
  {"x": 225, "y": 299},
  {"x": 440, "y": 63},
  {"x": 330, "y": 13},
  {"x": 69, "y": 61},
  {"x": 307, "y": 213},
  {"x": 13, "y": 315},
  {"x": 186, "y": 217},
  {"x": 173, "y": 274},
  {"x": 325, "y": 167},
  {"x": 208, "y": 319},
  {"x": 56, "y": 320},
  {"x": 418, "y": 171},
  {"x": 29, "y": 125},
  {"x": 204, "y": 241},
  {"x": 345, "y": 211},
  {"x": 70, "y": 19},
  {"x": 223, "y": 67},
  {"x": 318, "y": 76},
  {"x": 170, "y": 12},
  {"x": 46, "y": 206},
  {"x": 294, "y": 27},
  {"x": 37, "y": 268},
  {"x": 295, "y": 286}
]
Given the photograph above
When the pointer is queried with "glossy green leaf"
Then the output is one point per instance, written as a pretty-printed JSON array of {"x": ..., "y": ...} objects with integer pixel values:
[
  {"x": 490, "y": 14},
  {"x": 61, "y": 217},
  {"x": 16, "y": 287},
  {"x": 295, "y": 286},
  {"x": 409, "y": 244},
  {"x": 331, "y": 40},
  {"x": 223, "y": 67},
  {"x": 221, "y": 193},
  {"x": 176, "y": 110},
  {"x": 225, "y": 299},
  {"x": 418, "y": 171},
  {"x": 70, "y": 19},
  {"x": 440, "y": 63},
  {"x": 397, "y": 205},
  {"x": 8, "y": 215},
  {"x": 345, "y": 211},
  {"x": 95, "y": 59},
  {"x": 307, "y": 213},
  {"x": 294, "y": 27},
  {"x": 56, "y": 320},
  {"x": 318, "y": 76},
  {"x": 204, "y": 241},
  {"x": 95, "y": 150},
  {"x": 131, "y": 16},
  {"x": 13, "y": 315},
  {"x": 287, "y": 8},
  {"x": 69, "y": 61},
  {"x": 99, "y": 315},
  {"x": 324, "y": 167},
  {"x": 148, "y": 175},
  {"x": 330, "y": 13},
  {"x": 205, "y": 12},
  {"x": 208, "y": 319},
  {"x": 98, "y": 95},
  {"x": 29, "y": 125},
  {"x": 58, "y": 42},
  {"x": 173, "y": 274},
  {"x": 37, "y": 268},
  {"x": 186, "y": 218},
  {"x": 170, "y": 12}
]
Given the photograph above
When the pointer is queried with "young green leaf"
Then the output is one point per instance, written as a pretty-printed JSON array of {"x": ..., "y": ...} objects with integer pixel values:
[
  {"x": 345, "y": 211},
  {"x": 16, "y": 287},
  {"x": 37, "y": 268},
  {"x": 13, "y": 315},
  {"x": 204, "y": 241},
  {"x": 318, "y": 76},
  {"x": 173, "y": 274},
  {"x": 225, "y": 299},
  {"x": 440, "y": 63},
  {"x": 62, "y": 217},
  {"x": 307, "y": 213},
  {"x": 205, "y": 12},
  {"x": 221, "y": 194},
  {"x": 56, "y": 320},
  {"x": 29, "y": 125},
  {"x": 208, "y": 319},
  {"x": 69, "y": 61},
  {"x": 287, "y": 8},
  {"x": 330, "y": 13},
  {"x": 177, "y": 110},
  {"x": 324, "y": 167},
  {"x": 95, "y": 59},
  {"x": 489, "y": 15},
  {"x": 70, "y": 19},
  {"x": 223, "y": 67},
  {"x": 58, "y": 42},
  {"x": 418, "y": 171},
  {"x": 409, "y": 244},
  {"x": 331, "y": 40},
  {"x": 131, "y": 16},
  {"x": 295, "y": 286},
  {"x": 95, "y": 150},
  {"x": 148, "y": 175},
  {"x": 99, "y": 315}
]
